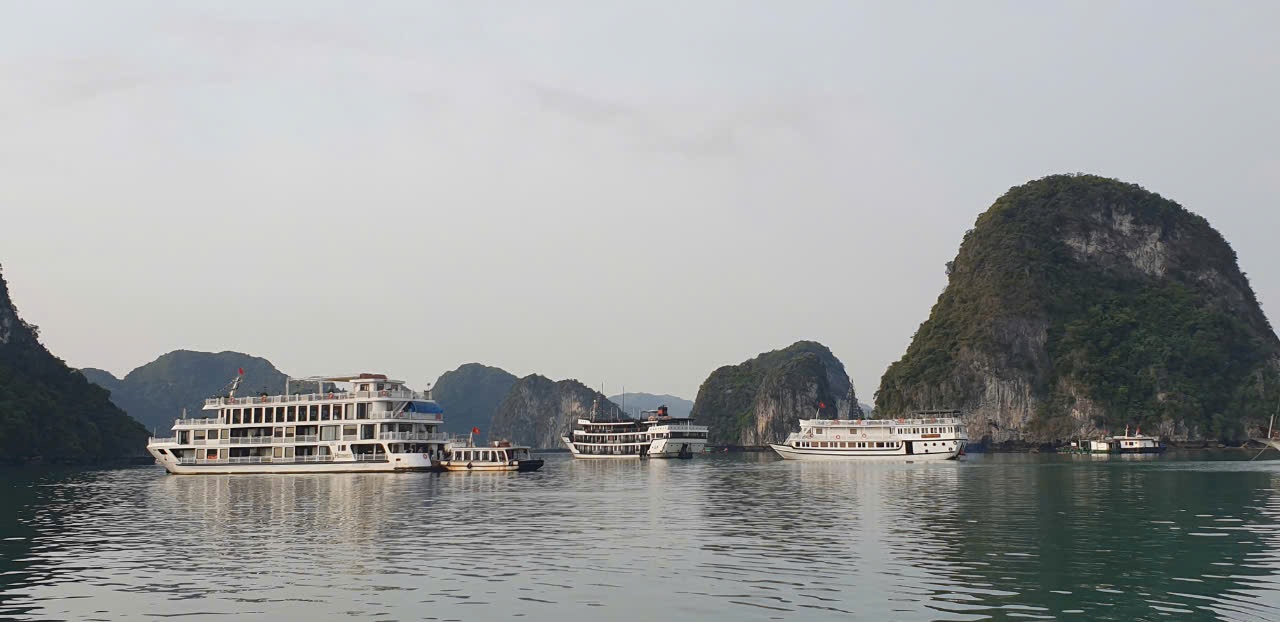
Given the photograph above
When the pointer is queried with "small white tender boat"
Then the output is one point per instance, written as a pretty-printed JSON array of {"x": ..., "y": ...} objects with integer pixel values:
[{"x": 462, "y": 455}]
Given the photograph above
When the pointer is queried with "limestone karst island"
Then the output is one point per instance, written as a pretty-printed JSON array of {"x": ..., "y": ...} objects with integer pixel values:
[{"x": 1076, "y": 307}]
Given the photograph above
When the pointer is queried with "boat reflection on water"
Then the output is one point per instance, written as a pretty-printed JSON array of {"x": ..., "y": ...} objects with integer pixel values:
[{"x": 729, "y": 537}]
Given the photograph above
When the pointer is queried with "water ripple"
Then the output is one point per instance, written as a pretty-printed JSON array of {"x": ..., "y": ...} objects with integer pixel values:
[{"x": 741, "y": 537}]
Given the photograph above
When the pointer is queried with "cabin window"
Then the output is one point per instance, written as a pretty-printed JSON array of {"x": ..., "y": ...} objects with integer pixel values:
[
  {"x": 348, "y": 431},
  {"x": 380, "y": 386},
  {"x": 313, "y": 413},
  {"x": 817, "y": 431},
  {"x": 288, "y": 452},
  {"x": 160, "y": 451},
  {"x": 291, "y": 414},
  {"x": 277, "y": 452}
]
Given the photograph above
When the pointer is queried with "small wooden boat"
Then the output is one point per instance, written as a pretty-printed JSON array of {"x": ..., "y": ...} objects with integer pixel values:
[{"x": 462, "y": 455}]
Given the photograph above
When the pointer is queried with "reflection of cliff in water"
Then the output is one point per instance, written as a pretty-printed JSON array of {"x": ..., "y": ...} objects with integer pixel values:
[{"x": 1067, "y": 538}]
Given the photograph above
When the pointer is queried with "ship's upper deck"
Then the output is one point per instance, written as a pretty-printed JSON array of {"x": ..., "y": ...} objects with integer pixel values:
[{"x": 361, "y": 387}]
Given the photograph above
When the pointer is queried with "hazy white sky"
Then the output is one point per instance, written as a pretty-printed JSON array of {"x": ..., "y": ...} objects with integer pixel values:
[{"x": 623, "y": 193}]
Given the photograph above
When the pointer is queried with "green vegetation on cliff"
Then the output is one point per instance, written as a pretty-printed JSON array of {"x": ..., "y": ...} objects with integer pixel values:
[
  {"x": 1108, "y": 302},
  {"x": 49, "y": 411},
  {"x": 758, "y": 401},
  {"x": 470, "y": 395}
]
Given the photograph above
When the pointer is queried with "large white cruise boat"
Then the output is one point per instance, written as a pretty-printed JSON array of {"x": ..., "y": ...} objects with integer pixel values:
[
  {"x": 364, "y": 423},
  {"x": 931, "y": 435},
  {"x": 655, "y": 435}
]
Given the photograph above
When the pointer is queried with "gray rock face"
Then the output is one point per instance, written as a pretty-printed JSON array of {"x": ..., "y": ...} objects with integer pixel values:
[
  {"x": 538, "y": 411},
  {"x": 470, "y": 395},
  {"x": 1079, "y": 304},
  {"x": 760, "y": 401}
]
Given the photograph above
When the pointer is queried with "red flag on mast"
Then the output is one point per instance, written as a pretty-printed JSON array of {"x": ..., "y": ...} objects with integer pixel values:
[
  {"x": 822, "y": 405},
  {"x": 475, "y": 430},
  {"x": 241, "y": 371}
]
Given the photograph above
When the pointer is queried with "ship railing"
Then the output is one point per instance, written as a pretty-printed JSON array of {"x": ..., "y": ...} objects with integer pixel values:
[
  {"x": 334, "y": 396},
  {"x": 252, "y": 440},
  {"x": 304, "y": 438},
  {"x": 155, "y": 440},
  {"x": 413, "y": 436},
  {"x": 887, "y": 422},
  {"x": 204, "y": 421},
  {"x": 259, "y": 460},
  {"x": 378, "y": 457}
]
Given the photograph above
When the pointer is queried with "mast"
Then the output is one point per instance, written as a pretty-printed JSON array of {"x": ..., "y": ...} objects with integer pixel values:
[{"x": 235, "y": 384}]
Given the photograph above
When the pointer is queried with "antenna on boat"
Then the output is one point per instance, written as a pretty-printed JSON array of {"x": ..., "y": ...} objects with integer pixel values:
[{"x": 235, "y": 383}]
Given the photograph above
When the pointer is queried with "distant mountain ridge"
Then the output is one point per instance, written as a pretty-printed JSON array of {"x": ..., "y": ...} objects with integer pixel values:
[
  {"x": 633, "y": 403},
  {"x": 470, "y": 395},
  {"x": 156, "y": 393},
  {"x": 538, "y": 411},
  {"x": 48, "y": 411}
]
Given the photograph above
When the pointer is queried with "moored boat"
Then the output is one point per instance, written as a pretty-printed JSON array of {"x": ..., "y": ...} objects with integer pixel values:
[
  {"x": 929, "y": 435},
  {"x": 657, "y": 435},
  {"x": 360, "y": 423},
  {"x": 1136, "y": 443},
  {"x": 463, "y": 455}
]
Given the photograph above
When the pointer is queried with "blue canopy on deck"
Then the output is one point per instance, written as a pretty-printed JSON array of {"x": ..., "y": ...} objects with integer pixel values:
[{"x": 424, "y": 407}]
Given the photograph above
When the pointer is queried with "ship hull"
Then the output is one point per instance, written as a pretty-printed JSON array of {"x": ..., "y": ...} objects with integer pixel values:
[
  {"x": 676, "y": 448},
  {"x": 835, "y": 455},
  {"x": 393, "y": 464},
  {"x": 492, "y": 467}
]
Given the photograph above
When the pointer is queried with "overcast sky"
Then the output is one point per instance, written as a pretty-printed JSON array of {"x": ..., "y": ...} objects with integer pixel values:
[{"x": 624, "y": 193}]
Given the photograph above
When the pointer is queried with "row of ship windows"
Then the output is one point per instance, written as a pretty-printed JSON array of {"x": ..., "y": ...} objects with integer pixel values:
[
  {"x": 636, "y": 436},
  {"x": 326, "y": 432},
  {"x": 483, "y": 455},
  {"x": 849, "y": 444},
  {"x": 945, "y": 429},
  {"x": 289, "y": 414}
]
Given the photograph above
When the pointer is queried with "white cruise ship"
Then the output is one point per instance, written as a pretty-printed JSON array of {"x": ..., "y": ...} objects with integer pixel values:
[
  {"x": 366, "y": 423},
  {"x": 931, "y": 435},
  {"x": 655, "y": 435}
]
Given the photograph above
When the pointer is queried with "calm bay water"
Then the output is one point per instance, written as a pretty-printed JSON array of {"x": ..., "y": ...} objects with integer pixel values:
[{"x": 741, "y": 537}]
